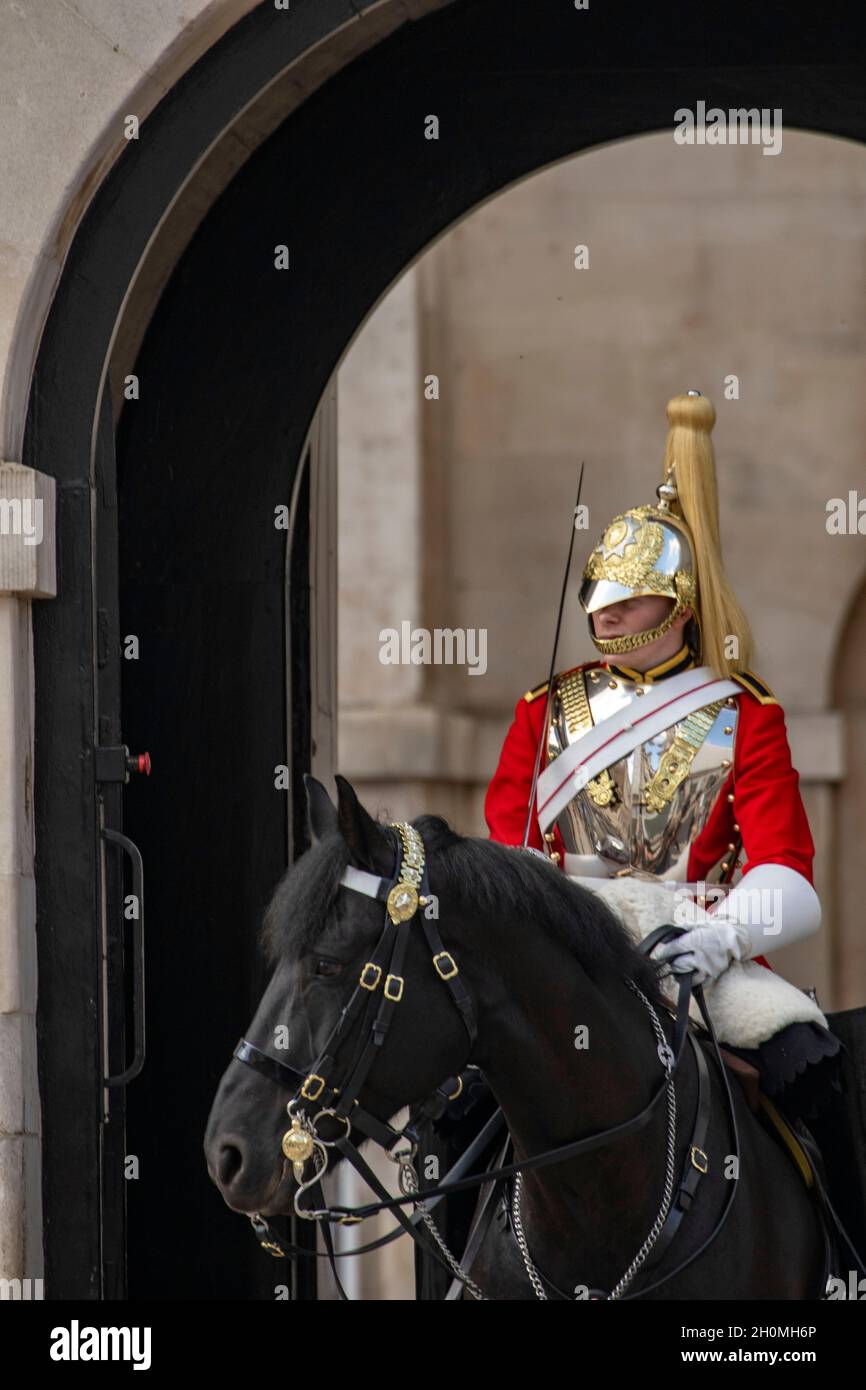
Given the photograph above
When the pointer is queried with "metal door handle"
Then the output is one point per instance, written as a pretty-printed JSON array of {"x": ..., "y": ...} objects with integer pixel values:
[{"x": 138, "y": 956}]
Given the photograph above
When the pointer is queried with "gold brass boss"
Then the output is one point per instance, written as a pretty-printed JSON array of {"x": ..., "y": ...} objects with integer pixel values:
[
  {"x": 297, "y": 1146},
  {"x": 403, "y": 897}
]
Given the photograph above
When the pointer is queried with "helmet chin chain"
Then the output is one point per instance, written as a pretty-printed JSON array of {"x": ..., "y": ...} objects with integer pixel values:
[{"x": 630, "y": 641}]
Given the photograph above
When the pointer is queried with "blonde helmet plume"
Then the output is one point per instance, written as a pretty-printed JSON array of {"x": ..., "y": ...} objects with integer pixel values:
[{"x": 726, "y": 638}]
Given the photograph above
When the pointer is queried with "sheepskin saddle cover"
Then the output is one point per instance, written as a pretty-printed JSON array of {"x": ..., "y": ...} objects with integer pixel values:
[{"x": 747, "y": 1003}]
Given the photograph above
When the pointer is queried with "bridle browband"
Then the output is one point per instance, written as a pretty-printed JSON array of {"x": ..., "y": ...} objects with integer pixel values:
[{"x": 403, "y": 894}]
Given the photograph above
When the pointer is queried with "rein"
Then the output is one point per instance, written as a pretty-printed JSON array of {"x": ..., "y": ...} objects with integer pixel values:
[{"x": 302, "y": 1144}]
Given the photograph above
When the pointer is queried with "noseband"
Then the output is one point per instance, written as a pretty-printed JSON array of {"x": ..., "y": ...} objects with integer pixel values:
[{"x": 404, "y": 894}]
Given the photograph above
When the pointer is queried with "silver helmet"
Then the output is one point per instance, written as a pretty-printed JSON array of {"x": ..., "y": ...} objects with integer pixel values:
[{"x": 646, "y": 550}]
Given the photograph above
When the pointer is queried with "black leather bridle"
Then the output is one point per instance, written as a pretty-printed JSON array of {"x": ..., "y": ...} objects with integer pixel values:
[{"x": 404, "y": 893}]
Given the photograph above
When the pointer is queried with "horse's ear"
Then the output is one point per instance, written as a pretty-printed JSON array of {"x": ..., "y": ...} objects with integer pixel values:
[
  {"x": 321, "y": 809},
  {"x": 365, "y": 837}
]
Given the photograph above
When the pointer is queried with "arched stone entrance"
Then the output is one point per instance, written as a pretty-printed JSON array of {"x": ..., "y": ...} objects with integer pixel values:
[{"x": 232, "y": 364}]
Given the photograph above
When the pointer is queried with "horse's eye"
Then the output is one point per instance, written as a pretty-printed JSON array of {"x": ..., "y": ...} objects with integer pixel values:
[{"x": 328, "y": 967}]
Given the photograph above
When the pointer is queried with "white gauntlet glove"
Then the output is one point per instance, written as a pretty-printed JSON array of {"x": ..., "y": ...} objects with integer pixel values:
[
  {"x": 708, "y": 950},
  {"x": 771, "y": 906}
]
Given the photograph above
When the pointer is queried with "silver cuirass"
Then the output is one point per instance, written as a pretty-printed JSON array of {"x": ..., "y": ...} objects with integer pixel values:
[{"x": 642, "y": 813}]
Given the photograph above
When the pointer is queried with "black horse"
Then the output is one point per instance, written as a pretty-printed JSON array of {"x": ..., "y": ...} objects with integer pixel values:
[{"x": 565, "y": 1044}]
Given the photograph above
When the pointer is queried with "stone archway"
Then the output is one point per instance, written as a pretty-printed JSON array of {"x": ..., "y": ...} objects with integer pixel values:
[{"x": 250, "y": 358}]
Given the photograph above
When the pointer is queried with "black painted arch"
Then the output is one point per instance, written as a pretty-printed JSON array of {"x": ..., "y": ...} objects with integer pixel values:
[{"x": 232, "y": 368}]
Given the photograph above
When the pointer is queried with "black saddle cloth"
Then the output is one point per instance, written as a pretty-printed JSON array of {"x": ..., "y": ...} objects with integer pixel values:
[
  {"x": 801, "y": 1069},
  {"x": 840, "y": 1127},
  {"x": 817, "y": 1078}
]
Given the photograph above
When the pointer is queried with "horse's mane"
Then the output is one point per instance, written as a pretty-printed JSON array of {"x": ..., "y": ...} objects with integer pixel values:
[
  {"x": 502, "y": 881},
  {"x": 490, "y": 878}
]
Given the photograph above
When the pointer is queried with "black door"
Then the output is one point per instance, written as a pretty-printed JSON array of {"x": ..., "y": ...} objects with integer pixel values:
[
  {"x": 214, "y": 626},
  {"x": 211, "y": 681}
]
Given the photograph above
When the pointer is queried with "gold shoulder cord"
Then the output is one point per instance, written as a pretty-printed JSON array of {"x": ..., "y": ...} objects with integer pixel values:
[{"x": 677, "y": 761}]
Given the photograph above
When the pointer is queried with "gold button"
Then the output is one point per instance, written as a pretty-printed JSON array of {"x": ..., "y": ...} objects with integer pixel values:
[
  {"x": 550, "y": 836},
  {"x": 555, "y": 856},
  {"x": 726, "y": 762},
  {"x": 593, "y": 675},
  {"x": 730, "y": 796},
  {"x": 725, "y": 868},
  {"x": 612, "y": 684},
  {"x": 732, "y": 846},
  {"x": 729, "y": 729},
  {"x": 730, "y": 702},
  {"x": 736, "y": 827},
  {"x": 639, "y": 690}
]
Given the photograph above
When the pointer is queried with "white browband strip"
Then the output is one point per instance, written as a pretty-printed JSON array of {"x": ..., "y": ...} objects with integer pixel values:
[{"x": 361, "y": 881}]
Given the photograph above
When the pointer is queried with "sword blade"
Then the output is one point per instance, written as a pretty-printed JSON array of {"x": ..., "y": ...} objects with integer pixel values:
[{"x": 552, "y": 671}]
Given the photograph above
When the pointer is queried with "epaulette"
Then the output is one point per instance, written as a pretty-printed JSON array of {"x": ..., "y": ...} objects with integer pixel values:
[
  {"x": 540, "y": 689},
  {"x": 749, "y": 681},
  {"x": 534, "y": 694}
]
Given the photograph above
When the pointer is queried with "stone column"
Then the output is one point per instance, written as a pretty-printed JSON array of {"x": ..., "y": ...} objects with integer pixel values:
[{"x": 27, "y": 571}]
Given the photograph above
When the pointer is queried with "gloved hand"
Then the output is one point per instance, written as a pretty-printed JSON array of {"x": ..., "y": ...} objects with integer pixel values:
[{"x": 707, "y": 949}]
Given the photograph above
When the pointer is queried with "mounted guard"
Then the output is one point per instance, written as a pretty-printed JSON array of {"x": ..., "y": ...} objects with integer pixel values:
[
  {"x": 660, "y": 779},
  {"x": 667, "y": 783}
]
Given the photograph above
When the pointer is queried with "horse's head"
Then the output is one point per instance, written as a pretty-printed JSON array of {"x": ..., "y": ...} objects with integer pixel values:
[{"x": 332, "y": 944}]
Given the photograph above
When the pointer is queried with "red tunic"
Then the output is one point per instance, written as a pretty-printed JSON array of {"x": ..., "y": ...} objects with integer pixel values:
[{"x": 767, "y": 806}]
